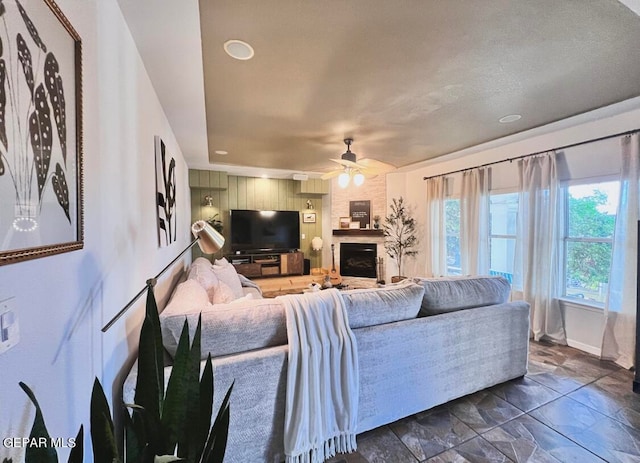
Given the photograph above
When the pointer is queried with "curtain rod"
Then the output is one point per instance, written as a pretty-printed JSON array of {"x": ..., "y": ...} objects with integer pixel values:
[{"x": 573, "y": 145}]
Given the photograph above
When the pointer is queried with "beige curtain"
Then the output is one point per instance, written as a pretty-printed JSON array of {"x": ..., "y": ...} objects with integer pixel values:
[
  {"x": 618, "y": 341},
  {"x": 474, "y": 222},
  {"x": 539, "y": 245},
  {"x": 436, "y": 239}
]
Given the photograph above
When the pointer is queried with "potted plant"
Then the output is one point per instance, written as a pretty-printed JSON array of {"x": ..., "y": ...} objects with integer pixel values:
[
  {"x": 376, "y": 221},
  {"x": 400, "y": 235},
  {"x": 163, "y": 421},
  {"x": 216, "y": 223}
]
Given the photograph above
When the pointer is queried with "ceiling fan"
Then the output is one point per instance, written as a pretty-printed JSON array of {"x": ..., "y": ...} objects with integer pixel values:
[{"x": 358, "y": 170}]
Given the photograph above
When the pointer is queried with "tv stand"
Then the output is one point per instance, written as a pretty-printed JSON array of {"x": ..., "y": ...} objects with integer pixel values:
[{"x": 262, "y": 264}]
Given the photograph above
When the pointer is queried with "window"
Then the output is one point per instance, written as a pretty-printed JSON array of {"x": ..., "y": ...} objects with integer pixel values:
[
  {"x": 452, "y": 227},
  {"x": 590, "y": 223},
  {"x": 503, "y": 212}
]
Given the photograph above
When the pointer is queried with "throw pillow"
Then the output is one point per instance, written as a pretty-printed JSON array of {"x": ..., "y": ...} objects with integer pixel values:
[
  {"x": 226, "y": 273},
  {"x": 188, "y": 297},
  {"x": 188, "y": 300},
  {"x": 202, "y": 271},
  {"x": 376, "y": 306},
  {"x": 221, "y": 294}
]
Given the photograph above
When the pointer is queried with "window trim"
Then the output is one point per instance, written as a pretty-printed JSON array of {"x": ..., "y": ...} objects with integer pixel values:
[
  {"x": 514, "y": 237},
  {"x": 448, "y": 198},
  {"x": 580, "y": 303},
  {"x": 566, "y": 238}
]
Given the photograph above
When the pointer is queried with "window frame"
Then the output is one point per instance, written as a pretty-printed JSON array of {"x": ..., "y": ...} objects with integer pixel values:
[
  {"x": 514, "y": 237},
  {"x": 447, "y": 199},
  {"x": 566, "y": 239}
]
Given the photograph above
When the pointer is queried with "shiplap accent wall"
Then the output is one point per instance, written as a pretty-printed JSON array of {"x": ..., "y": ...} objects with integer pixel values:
[{"x": 236, "y": 192}]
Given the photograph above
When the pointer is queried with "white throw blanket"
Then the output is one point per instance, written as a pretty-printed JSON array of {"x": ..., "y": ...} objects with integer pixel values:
[{"x": 322, "y": 380}]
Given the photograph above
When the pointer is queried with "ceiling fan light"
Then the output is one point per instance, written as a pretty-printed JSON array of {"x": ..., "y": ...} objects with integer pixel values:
[
  {"x": 343, "y": 180},
  {"x": 358, "y": 179}
]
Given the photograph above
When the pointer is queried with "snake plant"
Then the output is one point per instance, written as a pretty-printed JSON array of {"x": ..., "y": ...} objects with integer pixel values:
[
  {"x": 175, "y": 421},
  {"x": 172, "y": 424}
]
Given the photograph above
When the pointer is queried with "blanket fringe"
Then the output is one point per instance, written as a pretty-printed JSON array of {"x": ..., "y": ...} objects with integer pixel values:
[{"x": 342, "y": 443}]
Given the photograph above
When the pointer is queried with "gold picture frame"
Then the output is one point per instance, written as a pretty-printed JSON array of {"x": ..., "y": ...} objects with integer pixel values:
[
  {"x": 344, "y": 223},
  {"x": 41, "y": 193}
]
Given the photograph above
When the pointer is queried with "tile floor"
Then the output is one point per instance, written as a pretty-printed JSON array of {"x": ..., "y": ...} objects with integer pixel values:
[{"x": 570, "y": 407}]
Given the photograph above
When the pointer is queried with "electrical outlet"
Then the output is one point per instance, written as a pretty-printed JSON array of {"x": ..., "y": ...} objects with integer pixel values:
[
  {"x": 9, "y": 329},
  {"x": 304, "y": 236}
]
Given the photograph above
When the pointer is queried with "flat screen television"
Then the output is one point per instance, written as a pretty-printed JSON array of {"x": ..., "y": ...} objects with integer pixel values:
[{"x": 264, "y": 231}]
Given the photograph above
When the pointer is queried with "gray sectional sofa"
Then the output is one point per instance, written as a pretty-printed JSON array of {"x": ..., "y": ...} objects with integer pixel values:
[{"x": 420, "y": 344}]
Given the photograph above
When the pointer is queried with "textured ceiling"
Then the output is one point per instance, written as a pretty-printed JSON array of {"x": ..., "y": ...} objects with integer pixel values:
[{"x": 408, "y": 80}]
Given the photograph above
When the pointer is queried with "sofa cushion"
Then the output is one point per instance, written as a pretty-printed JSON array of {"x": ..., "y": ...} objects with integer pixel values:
[
  {"x": 201, "y": 271},
  {"x": 246, "y": 324},
  {"x": 222, "y": 294},
  {"x": 443, "y": 295},
  {"x": 229, "y": 328},
  {"x": 189, "y": 297},
  {"x": 227, "y": 274},
  {"x": 368, "y": 307}
]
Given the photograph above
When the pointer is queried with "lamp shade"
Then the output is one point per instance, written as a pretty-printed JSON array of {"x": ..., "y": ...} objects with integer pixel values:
[
  {"x": 209, "y": 240},
  {"x": 316, "y": 243}
]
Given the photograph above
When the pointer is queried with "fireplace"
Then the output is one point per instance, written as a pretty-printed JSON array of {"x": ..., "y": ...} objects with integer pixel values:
[{"x": 358, "y": 259}]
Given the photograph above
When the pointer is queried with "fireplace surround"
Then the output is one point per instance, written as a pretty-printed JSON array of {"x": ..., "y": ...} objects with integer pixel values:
[{"x": 358, "y": 259}]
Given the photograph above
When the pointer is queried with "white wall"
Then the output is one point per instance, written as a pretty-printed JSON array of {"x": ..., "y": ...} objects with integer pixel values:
[
  {"x": 583, "y": 324},
  {"x": 62, "y": 301}
]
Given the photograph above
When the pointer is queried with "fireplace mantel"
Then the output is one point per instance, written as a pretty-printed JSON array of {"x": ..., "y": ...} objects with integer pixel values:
[{"x": 358, "y": 232}]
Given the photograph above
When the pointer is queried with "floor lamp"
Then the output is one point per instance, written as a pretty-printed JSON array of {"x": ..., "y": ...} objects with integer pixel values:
[{"x": 209, "y": 241}]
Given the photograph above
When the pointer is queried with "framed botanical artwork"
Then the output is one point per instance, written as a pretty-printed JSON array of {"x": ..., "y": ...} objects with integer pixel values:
[
  {"x": 40, "y": 132},
  {"x": 345, "y": 222},
  {"x": 165, "y": 194},
  {"x": 309, "y": 217}
]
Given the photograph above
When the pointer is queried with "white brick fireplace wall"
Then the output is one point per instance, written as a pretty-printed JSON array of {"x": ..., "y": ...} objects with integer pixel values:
[{"x": 374, "y": 190}]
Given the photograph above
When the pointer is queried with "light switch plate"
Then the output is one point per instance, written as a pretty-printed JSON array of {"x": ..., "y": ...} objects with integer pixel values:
[{"x": 9, "y": 328}]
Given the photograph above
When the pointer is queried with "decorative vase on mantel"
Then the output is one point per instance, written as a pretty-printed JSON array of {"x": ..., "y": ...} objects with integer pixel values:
[{"x": 376, "y": 222}]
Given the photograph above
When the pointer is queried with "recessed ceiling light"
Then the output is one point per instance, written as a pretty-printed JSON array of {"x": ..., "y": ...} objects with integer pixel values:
[
  {"x": 510, "y": 118},
  {"x": 221, "y": 152},
  {"x": 238, "y": 49}
]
